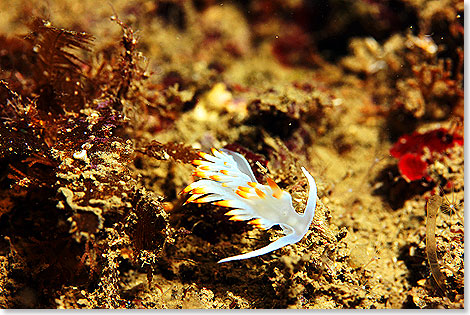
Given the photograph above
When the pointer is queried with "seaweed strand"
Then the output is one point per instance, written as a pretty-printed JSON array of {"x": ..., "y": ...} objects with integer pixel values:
[{"x": 433, "y": 205}]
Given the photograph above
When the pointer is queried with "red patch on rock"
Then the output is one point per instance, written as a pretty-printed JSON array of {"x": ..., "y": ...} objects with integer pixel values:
[
  {"x": 412, "y": 167},
  {"x": 410, "y": 148},
  {"x": 437, "y": 140}
]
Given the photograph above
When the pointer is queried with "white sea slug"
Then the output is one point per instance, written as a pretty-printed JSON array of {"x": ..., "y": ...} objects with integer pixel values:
[{"x": 227, "y": 181}]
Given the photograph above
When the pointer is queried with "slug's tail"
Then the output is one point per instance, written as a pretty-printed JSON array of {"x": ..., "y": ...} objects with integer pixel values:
[{"x": 283, "y": 241}]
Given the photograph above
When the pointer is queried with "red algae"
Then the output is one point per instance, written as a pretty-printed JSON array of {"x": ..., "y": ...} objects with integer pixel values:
[
  {"x": 412, "y": 167},
  {"x": 437, "y": 140},
  {"x": 409, "y": 149}
]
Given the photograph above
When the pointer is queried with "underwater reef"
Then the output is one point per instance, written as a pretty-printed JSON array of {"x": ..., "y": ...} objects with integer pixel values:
[{"x": 103, "y": 108}]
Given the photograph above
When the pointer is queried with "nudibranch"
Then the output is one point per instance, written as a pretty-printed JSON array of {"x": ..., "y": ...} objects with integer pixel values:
[{"x": 228, "y": 181}]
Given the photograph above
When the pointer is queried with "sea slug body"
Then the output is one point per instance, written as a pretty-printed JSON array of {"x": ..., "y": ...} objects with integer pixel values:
[{"x": 228, "y": 181}]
